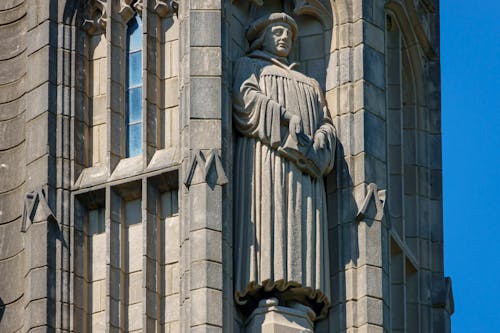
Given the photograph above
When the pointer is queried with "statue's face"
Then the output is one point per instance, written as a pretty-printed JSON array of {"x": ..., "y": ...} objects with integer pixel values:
[{"x": 278, "y": 39}]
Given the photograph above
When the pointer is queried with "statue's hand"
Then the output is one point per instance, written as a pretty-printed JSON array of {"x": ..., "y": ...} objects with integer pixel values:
[
  {"x": 294, "y": 126},
  {"x": 319, "y": 140}
]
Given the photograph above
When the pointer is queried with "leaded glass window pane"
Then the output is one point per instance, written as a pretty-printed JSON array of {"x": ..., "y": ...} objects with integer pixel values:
[
  {"x": 134, "y": 87},
  {"x": 135, "y": 69},
  {"x": 135, "y": 105},
  {"x": 135, "y": 139},
  {"x": 96, "y": 221},
  {"x": 133, "y": 212}
]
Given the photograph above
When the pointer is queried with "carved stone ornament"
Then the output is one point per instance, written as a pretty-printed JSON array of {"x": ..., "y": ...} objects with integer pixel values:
[
  {"x": 96, "y": 18},
  {"x": 206, "y": 170},
  {"x": 379, "y": 197},
  {"x": 36, "y": 202},
  {"x": 285, "y": 146},
  {"x": 164, "y": 8},
  {"x": 129, "y": 7}
]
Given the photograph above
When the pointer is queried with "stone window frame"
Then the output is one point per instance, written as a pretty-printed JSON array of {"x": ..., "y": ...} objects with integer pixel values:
[
  {"x": 133, "y": 70},
  {"x": 406, "y": 117},
  {"x": 160, "y": 29},
  {"x": 160, "y": 249},
  {"x": 120, "y": 179}
]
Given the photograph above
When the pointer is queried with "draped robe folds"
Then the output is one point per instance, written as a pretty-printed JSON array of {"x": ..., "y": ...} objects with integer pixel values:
[{"x": 281, "y": 247}]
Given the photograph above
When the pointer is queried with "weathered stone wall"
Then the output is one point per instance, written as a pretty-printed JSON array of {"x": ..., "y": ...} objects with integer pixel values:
[{"x": 13, "y": 154}]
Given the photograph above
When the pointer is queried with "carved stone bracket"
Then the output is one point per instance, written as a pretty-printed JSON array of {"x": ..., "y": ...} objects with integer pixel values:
[
  {"x": 379, "y": 196},
  {"x": 96, "y": 18},
  {"x": 36, "y": 202},
  {"x": 209, "y": 170}
]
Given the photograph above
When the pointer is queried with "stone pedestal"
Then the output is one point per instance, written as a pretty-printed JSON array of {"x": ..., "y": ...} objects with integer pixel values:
[{"x": 269, "y": 317}]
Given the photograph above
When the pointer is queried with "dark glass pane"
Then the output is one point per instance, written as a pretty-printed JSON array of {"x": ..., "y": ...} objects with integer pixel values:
[
  {"x": 134, "y": 103},
  {"x": 133, "y": 212},
  {"x": 96, "y": 221},
  {"x": 134, "y": 69},
  {"x": 134, "y": 140},
  {"x": 134, "y": 34},
  {"x": 175, "y": 202}
]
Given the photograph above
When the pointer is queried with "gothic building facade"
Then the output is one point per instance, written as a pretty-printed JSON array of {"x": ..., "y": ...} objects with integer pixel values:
[{"x": 118, "y": 181}]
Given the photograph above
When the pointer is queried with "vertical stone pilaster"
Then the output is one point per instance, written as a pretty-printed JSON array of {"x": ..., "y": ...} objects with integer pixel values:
[
  {"x": 41, "y": 232},
  {"x": 114, "y": 273},
  {"x": 151, "y": 271},
  {"x": 372, "y": 278},
  {"x": 373, "y": 263},
  {"x": 115, "y": 104},
  {"x": 356, "y": 96},
  {"x": 45, "y": 273},
  {"x": 205, "y": 180},
  {"x": 201, "y": 214}
]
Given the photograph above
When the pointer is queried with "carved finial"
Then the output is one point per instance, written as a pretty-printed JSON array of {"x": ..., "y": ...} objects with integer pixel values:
[
  {"x": 207, "y": 170},
  {"x": 96, "y": 18},
  {"x": 379, "y": 196},
  {"x": 36, "y": 201}
]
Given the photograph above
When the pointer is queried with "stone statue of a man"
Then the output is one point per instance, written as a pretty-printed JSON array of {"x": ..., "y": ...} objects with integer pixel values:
[{"x": 285, "y": 146}]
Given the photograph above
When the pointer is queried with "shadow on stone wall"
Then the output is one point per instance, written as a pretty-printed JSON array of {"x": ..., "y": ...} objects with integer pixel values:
[
  {"x": 343, "y": 240},
  {"x": 2, "y": 308}
]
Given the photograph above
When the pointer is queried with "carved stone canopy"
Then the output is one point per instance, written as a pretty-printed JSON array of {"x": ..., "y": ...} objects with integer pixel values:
[
  {"x": 306, "y": 7},
  {"x": 95, "y": 17},
  {"x": 162, "y": 7}
]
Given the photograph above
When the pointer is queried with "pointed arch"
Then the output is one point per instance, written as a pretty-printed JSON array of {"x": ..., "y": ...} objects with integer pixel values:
[{"x": 411, "y": 43}]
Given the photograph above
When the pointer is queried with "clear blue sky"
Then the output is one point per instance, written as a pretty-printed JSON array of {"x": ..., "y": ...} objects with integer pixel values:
[{"x": 470, "y": 53}]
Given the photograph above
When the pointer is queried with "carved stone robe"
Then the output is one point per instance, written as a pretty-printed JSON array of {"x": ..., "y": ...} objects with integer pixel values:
[{"x": 280, "y": 213}]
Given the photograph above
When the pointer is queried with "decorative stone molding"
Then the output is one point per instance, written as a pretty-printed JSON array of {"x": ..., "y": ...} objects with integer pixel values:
[
  {"x": 164, "y": 8},
  {"x": 417, "y": 19},
  {"x": 95, "y": 18},
  {"x": 34, "y": 202},
  {"x": 271, "y": 317},
  {"x": 379, "y": 196},
  {"x": 209, "y": 170},
  {"x": 129, "y": 7}
]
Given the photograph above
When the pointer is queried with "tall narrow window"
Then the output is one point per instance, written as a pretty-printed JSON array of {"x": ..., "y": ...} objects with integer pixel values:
[{"x": 134, "y": 87}]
